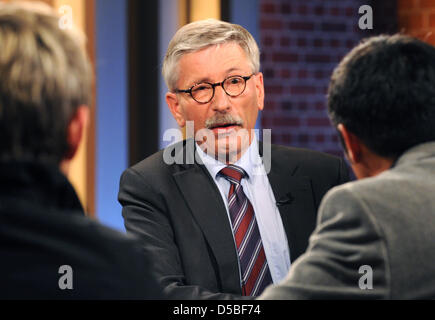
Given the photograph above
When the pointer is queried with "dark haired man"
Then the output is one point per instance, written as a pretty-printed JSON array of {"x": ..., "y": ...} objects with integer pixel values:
[
  {"x": 48, "y": 248},
  {"x": 375, "y": 237}
]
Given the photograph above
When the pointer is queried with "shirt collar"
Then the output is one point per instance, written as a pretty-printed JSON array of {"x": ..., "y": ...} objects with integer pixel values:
[{"x": 250, "y": 160}]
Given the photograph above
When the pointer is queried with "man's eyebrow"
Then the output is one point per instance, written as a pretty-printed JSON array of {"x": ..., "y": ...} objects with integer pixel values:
[
  {"x": 206, "y": 79},
  {"x": 233, "y": 69}
]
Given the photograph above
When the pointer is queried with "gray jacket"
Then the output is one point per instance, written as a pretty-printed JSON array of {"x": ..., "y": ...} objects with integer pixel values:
[{"x": 375, "y": 238}]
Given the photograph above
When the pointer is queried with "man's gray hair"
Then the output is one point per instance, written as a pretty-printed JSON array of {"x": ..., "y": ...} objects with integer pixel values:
[
  {"x": 45, "y": 76},
  {"x": 201, "y": 34}
]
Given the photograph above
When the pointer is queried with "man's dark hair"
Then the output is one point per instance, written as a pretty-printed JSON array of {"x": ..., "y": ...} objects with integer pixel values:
[
  {"x": 44, "y": 76},
  {"x": 383, "y": 91}
]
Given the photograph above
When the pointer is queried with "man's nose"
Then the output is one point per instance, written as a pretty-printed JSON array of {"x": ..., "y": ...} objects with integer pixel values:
[{"x": 220, "y": 101}]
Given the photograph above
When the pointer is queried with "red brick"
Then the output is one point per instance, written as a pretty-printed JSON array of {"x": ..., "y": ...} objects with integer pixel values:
[
  {"x": 412, "y": 21},
  {"x": 302, "y": 10},
  {"x": 301, "y": 42},
  {"x": 273, "y": 89},
  {"x": 318, "y": 74},
  {"x": 318, "y": 122},
  {"x": 302, "y": 74},
  {"x": 265, "y": 122},
  {"x": 327, "y": 26},
  {"x": 271, "y": 106},
  {"x": 407, "y": 5},
  {"x": 349, "y": 12},
  {"x": 320, "y": 138},
  {"x": 287, "y": 105},
  {"x": 285, "y": 41},
  {"x": 269, "y": 73},
  {"x": 318, "y": 43},
  {"x": 271, "y": 24},
  {"x": 302, "y": 26},
  {"x": 350, "y": 44},
  {"x": 276, "y": 139},
  {"x": 335, "y": 11},
  {"x": 334, "y": 43},
  {"x": 432, "y": 20},
  {"x": 285, "y": 74},
  {"x": 286, "y": 8},
  {"x": 302, "y": 106},
  {"x": 426, "y": 4},
  {"x": 320, "y": 105},
  {"x": 303, "y": 138},
  {"x": 319, "y": 10},
  {"x": 317, "y": 58},
  {"x": 303, "y": 90},
  {"x": 268, "y": 41},
  {"x": 285, "y": 57},
  {"x": 287, "y": 122},
  {"x": 287, "y": 138},
  {"x": 268, "y": 8}
]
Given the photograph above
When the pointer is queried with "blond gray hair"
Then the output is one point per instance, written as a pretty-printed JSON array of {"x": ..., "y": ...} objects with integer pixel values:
[
  {"x": 201, "y": 34},
  {"x": 44, "y": 76}
]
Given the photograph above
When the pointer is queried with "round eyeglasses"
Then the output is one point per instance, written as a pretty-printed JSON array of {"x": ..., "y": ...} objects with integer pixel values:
[{"x": 204, "y": 92}]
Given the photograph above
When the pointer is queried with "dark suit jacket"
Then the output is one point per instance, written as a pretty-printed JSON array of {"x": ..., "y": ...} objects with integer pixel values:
[
  {"x": 177, "y": 212},
  {"x": 43, "y": 227}
]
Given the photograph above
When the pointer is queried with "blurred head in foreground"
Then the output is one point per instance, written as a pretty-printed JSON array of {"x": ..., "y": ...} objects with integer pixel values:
[
  {"x": 45, "y": 85},
  {"x": 50, "y": 250},
  {"x": 382, "y": 100}
]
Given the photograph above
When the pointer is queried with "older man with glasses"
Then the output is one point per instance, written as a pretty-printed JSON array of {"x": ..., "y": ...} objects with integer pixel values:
[{"x": 227, "y": 224}]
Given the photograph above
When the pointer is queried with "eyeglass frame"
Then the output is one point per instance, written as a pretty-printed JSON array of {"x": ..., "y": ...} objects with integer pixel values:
[{"x": 214, "y": 85}]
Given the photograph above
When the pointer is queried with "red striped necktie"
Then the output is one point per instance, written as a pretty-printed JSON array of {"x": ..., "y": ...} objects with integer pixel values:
[{"x": 253, "y": 263}]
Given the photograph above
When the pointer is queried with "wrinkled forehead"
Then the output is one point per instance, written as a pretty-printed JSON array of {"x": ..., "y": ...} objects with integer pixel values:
[
  {"x": 211, "y": 63},
  {"x": 212, "y": 47}
]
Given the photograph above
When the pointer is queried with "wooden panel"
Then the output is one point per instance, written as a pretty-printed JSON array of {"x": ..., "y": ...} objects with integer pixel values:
[
  {"x": 201, "y": 9},
  {"x": 91, "y": 142}
]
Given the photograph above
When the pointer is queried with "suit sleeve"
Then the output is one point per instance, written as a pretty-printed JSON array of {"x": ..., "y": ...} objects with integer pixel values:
[
  {"x": 343, "y": 249},
  {"x": 145, "y": 217}
]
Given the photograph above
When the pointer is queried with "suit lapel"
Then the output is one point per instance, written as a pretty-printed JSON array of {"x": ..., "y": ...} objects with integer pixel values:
[
  {"x": 295, "y": 202},
  {"x": 205, "y": 202}
]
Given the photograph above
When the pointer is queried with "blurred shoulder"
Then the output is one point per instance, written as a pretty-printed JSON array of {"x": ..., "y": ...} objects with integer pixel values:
[
  {"x": 309, "y": 162},
  {"x": 301, "y": 154}
]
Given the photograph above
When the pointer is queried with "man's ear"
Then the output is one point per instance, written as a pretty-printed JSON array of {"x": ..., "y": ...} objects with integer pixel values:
[
  {"x": 175, "y": 108},
  {"x": 352, "y": 143},
  {"x": 259, "y": 88},
  {"x": 76, "y": 129}
]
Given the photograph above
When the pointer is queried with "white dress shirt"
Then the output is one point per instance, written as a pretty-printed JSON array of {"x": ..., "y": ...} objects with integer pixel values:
[{"x": 259, "y": 192}]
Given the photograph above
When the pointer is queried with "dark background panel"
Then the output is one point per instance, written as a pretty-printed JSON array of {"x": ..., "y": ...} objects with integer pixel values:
[{"x": 144, "y": 72}]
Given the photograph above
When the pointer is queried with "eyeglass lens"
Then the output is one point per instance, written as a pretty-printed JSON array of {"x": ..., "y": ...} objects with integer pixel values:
[{"x": 233, "y": 86}]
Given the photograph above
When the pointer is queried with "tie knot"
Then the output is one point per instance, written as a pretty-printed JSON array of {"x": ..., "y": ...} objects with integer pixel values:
[{"x": 233, "y": 173}]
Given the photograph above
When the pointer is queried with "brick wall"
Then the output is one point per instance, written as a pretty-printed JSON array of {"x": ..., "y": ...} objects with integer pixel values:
[
  {"x": 301, "y": 43},
  {"x": 417, "y": 18}
]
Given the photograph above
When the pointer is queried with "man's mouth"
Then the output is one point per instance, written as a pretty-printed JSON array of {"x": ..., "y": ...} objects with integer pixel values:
[{"x": 223, "y": 126}]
